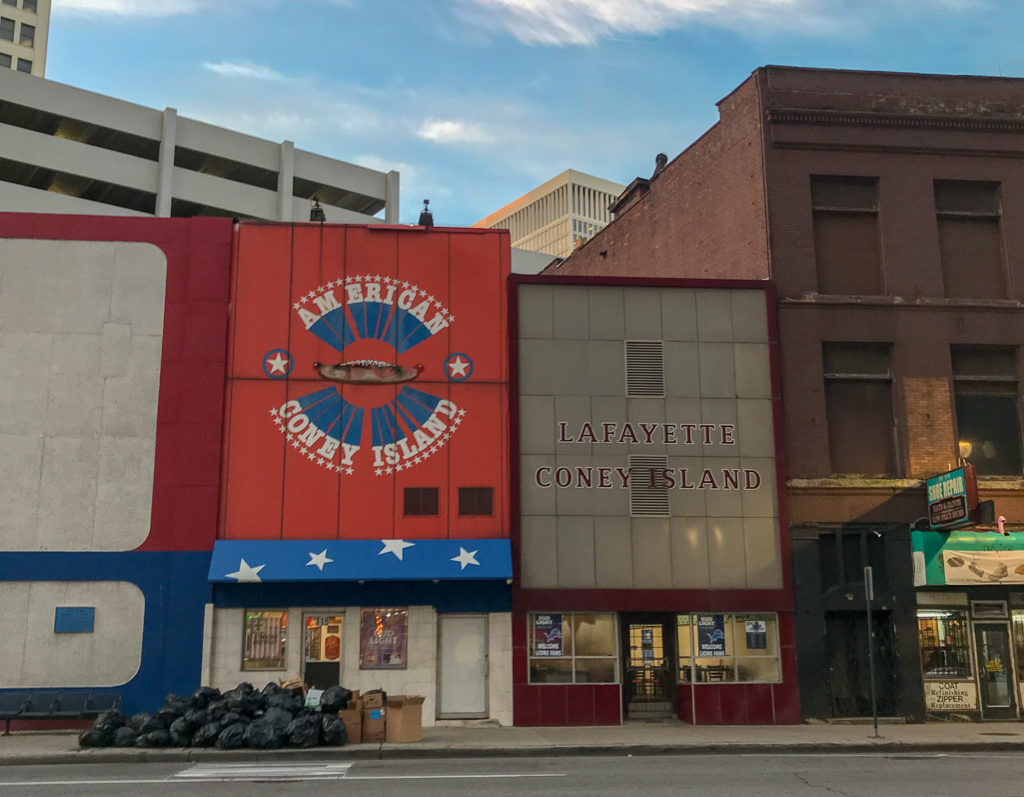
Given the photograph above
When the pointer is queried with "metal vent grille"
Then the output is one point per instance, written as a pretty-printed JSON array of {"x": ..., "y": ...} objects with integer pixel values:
[
  {"x": 648, "y": 491},
  {"x": 645, "y": 369}
]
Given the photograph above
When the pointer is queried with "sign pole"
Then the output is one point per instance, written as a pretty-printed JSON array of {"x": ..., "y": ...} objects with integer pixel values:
[{"x": 869, "y": 595}]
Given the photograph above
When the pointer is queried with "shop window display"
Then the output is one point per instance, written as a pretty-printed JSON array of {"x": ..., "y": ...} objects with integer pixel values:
[
  {"x": 263, "y": 645},
  {"x": 572, "y": 648},
  {"x": 944, "y": 636},
  {"x": 728, "y": 648}
]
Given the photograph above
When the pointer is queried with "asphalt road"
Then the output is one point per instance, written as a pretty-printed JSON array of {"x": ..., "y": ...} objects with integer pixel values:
[{"x": 844, "y": 775}]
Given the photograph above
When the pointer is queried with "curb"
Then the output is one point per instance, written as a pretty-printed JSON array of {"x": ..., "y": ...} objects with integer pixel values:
[{"x": 380, "y": 753}]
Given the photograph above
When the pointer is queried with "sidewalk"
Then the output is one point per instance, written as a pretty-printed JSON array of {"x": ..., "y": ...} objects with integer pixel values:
[{"x": 668, "y": 737}]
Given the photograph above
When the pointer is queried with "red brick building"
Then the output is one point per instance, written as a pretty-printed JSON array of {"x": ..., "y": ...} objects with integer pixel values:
[{"x": 888, "y": 209}]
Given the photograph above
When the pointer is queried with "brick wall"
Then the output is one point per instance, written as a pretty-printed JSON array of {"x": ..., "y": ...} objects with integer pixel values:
[
  {"x": 929, "y": 420},
  {"x": 703, "y": 215}
]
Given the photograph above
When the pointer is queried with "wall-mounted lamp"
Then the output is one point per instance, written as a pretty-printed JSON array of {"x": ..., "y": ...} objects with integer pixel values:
[
  {"x": 965, "y": 448},
  {"x": 316, "y": 213}
]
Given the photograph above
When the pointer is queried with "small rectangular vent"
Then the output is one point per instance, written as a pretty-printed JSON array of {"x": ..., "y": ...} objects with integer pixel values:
[
  {"x": 645, "y": 369},
  {"x": 648, "y": 490}
]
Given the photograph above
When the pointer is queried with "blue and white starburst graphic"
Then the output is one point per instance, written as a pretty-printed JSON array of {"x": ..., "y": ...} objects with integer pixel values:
[{"x": 403, "y": 432}]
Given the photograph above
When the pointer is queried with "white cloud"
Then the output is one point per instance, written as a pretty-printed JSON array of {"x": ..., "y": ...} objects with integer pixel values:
[
  {"x": 585, "y": 22},
  {"x": 129, "y": 8},
  {"x": 450, "y": 131},
  {"x": 243, "y": 69}
]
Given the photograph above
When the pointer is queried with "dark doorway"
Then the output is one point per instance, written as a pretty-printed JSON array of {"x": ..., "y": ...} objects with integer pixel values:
[
  {"x": 846, "y": 642},
  {"x": 649, "y": 665}
]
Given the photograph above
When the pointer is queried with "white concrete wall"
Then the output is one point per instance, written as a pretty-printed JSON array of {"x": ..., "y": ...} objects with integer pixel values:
[
  {"x": 33, "y": 656},
  {"x": 81, "y": 330},
  {"x": 224, "y": 655}
]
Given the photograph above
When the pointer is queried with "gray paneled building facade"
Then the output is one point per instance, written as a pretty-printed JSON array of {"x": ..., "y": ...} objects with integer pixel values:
[{"x": 652, "y": 575}]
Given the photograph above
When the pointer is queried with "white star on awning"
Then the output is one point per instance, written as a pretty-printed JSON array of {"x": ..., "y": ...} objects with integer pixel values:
[
  {"x": 395, "y": 546},
  {"x": 246, "y": 572},
  {"x": 318, "y": 559},
  {"x": 465, "y": 558}
]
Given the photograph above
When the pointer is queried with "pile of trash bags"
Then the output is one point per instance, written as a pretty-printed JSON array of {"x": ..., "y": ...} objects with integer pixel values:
[{"x": 241, "y": 717}]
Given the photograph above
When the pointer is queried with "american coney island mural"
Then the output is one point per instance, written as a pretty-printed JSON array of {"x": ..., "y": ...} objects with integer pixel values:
[{"x": 364, "y": 362}]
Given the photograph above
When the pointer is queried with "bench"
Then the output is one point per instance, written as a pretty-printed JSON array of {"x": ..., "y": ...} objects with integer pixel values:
[{"x": 65, "y": 704}]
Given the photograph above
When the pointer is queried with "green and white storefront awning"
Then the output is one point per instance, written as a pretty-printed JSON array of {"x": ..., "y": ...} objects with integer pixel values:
[{"x": 967, "y": 557}]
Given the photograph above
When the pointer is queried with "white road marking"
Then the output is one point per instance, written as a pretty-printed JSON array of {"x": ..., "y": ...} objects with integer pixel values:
[
  {"x": 262, "y": 772},
  {"x": 219, "y": 773}
]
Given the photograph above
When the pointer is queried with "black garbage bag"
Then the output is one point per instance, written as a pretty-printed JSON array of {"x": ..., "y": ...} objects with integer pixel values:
[
  {"x": 109, "y": 721},
  {"x": 93, "y": 737},
  {"x": 271, "y": 688},
  {"x": 166, "y": 716},
  {"x": 287, "y": 701},
  {"x": 179, "y": 705},
  {"x": 217, "y": 709},
  {"x": 181, "y": 733},
  {"x": 304, "y": 730},
  {"x": 244, "y": 699},
  {"x": 230, "y": 718},
  {"x": 334, "y": 699},
  {"x": 277, "y": 717},
  {"x": 203, "y": 696},
  {"x": 137, "y": 721},
  {"x": 333, "y": 732},
  {"x": 124, "y": 737},
  {"x": 232, "y": 737},
  {"x": 196, "y": 717},
  {"x": 206, "y": 735},
  {"x": 153, "y": 722},
  {"x": 264, "y": 734},
  {"x": 154, "y": 739}
]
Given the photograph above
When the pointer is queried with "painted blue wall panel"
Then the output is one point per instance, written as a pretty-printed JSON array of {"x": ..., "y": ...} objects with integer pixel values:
[
  {"x": 74, "y": 619},
  {"x": 175, "y": 588}
]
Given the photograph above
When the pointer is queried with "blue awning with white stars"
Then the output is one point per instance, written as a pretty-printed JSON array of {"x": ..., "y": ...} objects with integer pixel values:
[{"x": 251, "y": 561}]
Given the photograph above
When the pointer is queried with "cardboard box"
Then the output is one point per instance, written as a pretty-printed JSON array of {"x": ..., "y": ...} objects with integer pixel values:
[
  {"x": 376, "y": 699},
  {"x": 374, "y": 724},
  {"x": 405, "y": 718},
  {"x": 353, "y": 719}
]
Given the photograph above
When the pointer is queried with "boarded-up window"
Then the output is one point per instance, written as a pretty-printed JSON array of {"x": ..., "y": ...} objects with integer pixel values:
[
  {"x": 476, "y": 501},
  {"x": 645, "y": 369},
  {"x": 858, "y": 401},
  {"x": 648, "y": 488},
  {"x": 970, "y": 239},
  {"x": 847, "y": 247},
  {"x": 420, "y": 501},
  {"x": 987, "y": 408}
]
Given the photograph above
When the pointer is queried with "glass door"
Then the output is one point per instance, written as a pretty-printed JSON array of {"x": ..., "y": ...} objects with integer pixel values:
[
  {"x": 995, "y": 670},
  {"x": 648, "y": 664},
  {"x": 322, "y": 650}
]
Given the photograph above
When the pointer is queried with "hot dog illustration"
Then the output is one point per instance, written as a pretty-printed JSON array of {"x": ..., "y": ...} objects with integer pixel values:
[{"x": 368, "y": 372}]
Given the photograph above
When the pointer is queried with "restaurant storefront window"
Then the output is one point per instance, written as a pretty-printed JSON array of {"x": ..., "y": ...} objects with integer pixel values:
[
  {"x": 728, "y": 648},
  {"x": 572, "y": 648}
]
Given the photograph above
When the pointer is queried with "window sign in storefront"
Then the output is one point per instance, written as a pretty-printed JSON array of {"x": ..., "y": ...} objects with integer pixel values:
[
  {"x": 383, "y": 639},
  {"x": 587, "y": 648},
  {"x": 710, "y": 635},
  {"x": 746, "y": 648},
  {"x": 757, "y": 634},
  {"x": 950, "y": 696},
  {"x": 547, "y": 635}
]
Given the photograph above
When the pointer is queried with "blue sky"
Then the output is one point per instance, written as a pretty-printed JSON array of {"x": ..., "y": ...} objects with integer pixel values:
[{"x": 476, "y": 102}]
